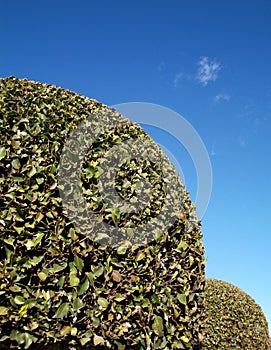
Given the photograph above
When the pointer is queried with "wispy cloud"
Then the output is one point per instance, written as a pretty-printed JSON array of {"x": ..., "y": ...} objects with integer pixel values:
[
  {"x": 242, "y": 142},
  {"x": 177, "y": 79},
  {"x": 249, "y": 110},
  {"x": 207, "y": 70},
  {"x": 221, "y": 97},
  {"x": 213, "y": 152},
  {"x": 161, "y": 66},
  {"x": 180, "y": 78}
]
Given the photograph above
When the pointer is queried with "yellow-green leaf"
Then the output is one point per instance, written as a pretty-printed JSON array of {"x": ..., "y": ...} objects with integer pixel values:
[
  {"x": 74, "y": 280},
  {"x": 98, "y": 340},
  {"x": 65, "y": 330},
  {"x": 42, "y": 276},
  {"x": 121, "y": 250},
  {"x": 140, "y": 256},
  {"x": 23, "y": 310},
  {"x": 3, "y": 310},
  {"x": 102, "y": 302},
  {"x": 2, "y": 152},
  {"x": 19, "y": 300},
  {"x": 184, "y": 339},
  {"x": 74, "y": 331},
  {"x": 157, "y": 325}
]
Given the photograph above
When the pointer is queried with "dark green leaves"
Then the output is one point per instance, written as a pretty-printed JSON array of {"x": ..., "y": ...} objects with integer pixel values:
[
  {"x": 83, "y": 287},
  {"x": 62, "y": 311}
]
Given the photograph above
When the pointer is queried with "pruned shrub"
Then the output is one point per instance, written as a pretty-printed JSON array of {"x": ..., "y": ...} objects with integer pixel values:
[
  {"x": 66, "y": 283},
  {"x": 232, "y": 319}
]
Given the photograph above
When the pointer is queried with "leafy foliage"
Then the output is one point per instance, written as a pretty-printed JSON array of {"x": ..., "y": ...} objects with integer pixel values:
[
  {"x": 232, "y": 319},
  {"x": 58, "y": 287}
]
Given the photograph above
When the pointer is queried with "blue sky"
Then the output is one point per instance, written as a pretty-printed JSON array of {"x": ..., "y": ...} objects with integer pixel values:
[{"x": 208, "y": 61}]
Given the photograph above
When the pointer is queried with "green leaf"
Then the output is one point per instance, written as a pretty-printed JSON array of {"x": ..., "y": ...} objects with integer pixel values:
[
  {"x": 182, "y": 246},
  {"x": 17, "y": 178},
  {"x": 61, "y": 282},
  {"x": 103, "y": 302},
  {"x": 157, "y": 325},
  {"x": 19, "y": 300},
  {"x": 79, "y": 263},
  {"x": 74, "y": 280},
  {"x": 140, "y": 256},
  {"x": 182, "y": 298},
  {"x": 184, "y": 339},
  {"x": 98, "y": 271},
  {"x": 86, "y": 338},
  {"x": 18, "y": 229},
  {"x": 121, "y": 250},
  {"x": 39, "y": 217},
  {"x": 62, "y": 311},
  {"x": 96, "y": 321},
  {"x": 65, "y": 330},
  {"x": 3, "y": 310},
  {"x": 59, "y": 267},
  {"x": 119, "y": 297},
  {"x": 5, "y": 337},
  {"x": 3, "y": 152},
  {"x": 83, "y": 287},
  {"x": 23, "y": 310},
  {"x": 27, "y": 340},
  {"x": 9, "y": 241},
  {"x": 42, "y": 276},
  {"x": 38, "y": 238},
  {"x": 35, "y": 260},
  {"x": 77, "y": 304},
  {"x": 98, "y": 340},
  {"x": 16, "y": 164},
  {"x": 74, "y": 331},
  {"x": 32, "y": 172},
  {"x": 155, "y": 299}
]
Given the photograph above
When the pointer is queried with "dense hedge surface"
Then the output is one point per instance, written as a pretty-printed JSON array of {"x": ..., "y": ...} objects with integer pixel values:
[
  {"x": 60, "y": 284},
  {"x": 233, "y": 320}
]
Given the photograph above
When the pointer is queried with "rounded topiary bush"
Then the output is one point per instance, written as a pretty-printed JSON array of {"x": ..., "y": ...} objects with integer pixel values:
[
  {"x": 232, "y": 319},
  {"x": 66, "y": 280}
]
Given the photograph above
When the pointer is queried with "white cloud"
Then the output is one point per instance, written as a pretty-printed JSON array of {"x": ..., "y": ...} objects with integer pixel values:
[
  {"x": 207, "y": 70},
  {"x": 221, "y": 97},
  {"x": 177, "y": 79}
]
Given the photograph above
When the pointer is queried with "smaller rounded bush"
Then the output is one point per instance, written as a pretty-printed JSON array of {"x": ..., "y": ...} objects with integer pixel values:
[{"x": 232, "y": 319}]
